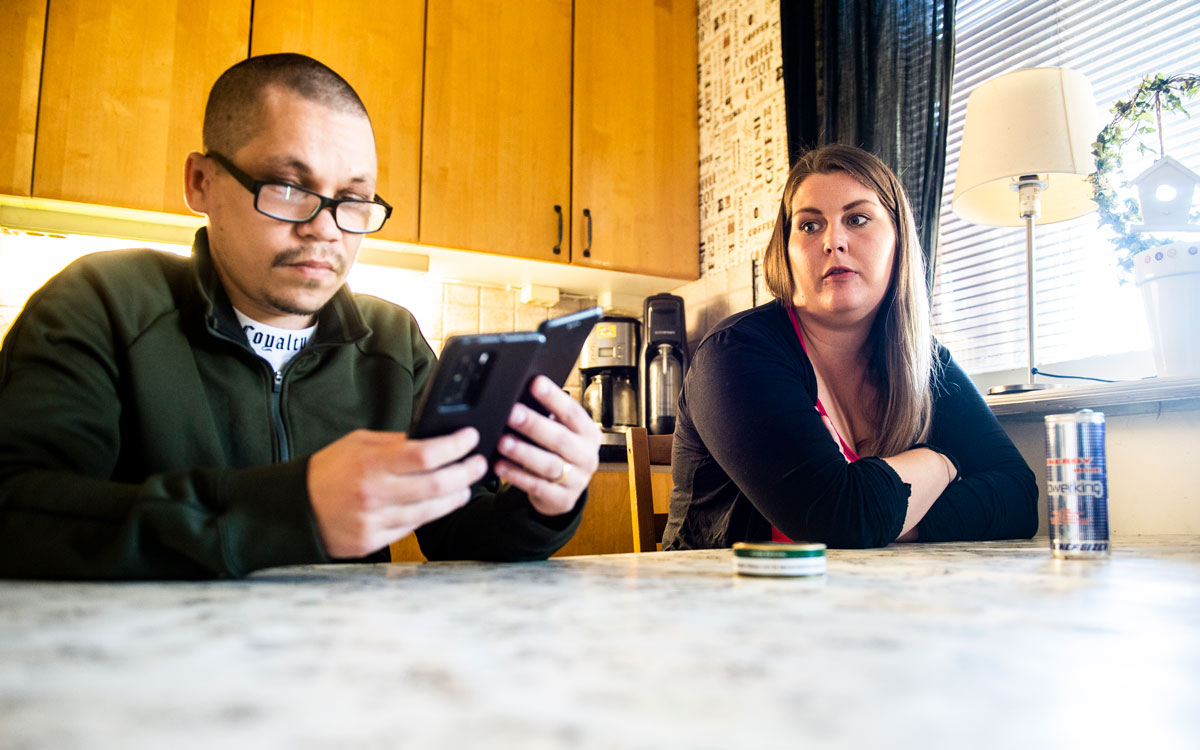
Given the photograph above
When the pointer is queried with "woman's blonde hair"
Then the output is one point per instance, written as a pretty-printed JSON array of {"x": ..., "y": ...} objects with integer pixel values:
[{"x": 902, "y": 354}]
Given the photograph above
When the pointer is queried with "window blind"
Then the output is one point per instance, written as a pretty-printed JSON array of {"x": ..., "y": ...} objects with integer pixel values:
[{"x": 1083, "y": 310}]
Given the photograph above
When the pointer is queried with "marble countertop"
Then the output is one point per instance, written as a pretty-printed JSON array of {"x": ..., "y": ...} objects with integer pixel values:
[{"x": 929, "y": 646}]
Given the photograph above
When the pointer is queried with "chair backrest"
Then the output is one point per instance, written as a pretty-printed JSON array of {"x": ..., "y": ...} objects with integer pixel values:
[{"x": 644, "y": 451}]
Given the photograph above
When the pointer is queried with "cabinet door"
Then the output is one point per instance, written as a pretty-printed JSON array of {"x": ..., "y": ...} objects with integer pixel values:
[
  {"x": 21, "y": 34},
  {"x": 377, "y": 48},
  {"x": 123, "y": 93},
  {"x": 635, "y": 148},
  {"x": 496, "y": 139},
  {"x": 607, "y": 524}
]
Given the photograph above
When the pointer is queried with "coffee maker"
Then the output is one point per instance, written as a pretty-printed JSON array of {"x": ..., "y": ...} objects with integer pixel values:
[
  {"x": 608, "y": 367},
  {"x": 662, "y": 362}
]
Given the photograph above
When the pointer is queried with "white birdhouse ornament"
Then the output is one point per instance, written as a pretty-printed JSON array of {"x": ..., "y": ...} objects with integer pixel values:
[{"x": 1165, "y": 194}]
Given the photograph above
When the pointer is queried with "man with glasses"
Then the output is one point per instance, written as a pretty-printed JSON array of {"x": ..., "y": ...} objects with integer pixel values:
[{"x": 210, "y": 416}]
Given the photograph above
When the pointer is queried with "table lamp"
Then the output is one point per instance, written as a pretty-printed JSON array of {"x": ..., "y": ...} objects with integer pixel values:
[{"x": 1025, "y": 156}]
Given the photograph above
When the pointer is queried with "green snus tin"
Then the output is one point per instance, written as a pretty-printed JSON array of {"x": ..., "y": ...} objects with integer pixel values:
[{"x": 779, "y": 559}]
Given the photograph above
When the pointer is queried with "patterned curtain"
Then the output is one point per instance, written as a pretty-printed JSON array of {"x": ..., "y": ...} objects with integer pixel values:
[{"x": 875, "y": 74}]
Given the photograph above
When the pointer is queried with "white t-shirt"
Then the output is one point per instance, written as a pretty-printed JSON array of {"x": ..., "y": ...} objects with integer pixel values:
[{"x": 276, "y": 345}]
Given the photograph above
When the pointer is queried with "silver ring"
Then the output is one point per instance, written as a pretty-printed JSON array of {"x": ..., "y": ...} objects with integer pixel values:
[{"x": 566, "y": 472}]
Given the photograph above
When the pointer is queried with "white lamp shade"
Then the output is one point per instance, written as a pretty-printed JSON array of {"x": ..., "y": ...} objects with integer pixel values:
[{"x": 1034, "y": 121}]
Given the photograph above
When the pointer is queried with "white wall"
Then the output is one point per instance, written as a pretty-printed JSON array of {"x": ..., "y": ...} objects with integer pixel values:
[{"x": 1153, "y": 468}]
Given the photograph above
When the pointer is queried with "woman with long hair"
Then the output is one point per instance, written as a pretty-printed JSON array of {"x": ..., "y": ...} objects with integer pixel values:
[{"x": 830, "y": 414}]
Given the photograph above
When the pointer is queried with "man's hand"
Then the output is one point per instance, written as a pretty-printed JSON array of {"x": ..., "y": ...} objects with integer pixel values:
[
  {"x": 369, "y": 489},
  {"x": 555, "y": 474}
]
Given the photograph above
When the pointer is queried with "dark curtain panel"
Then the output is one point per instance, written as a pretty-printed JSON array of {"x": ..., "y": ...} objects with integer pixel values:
[{"x": 875, "y": 74}]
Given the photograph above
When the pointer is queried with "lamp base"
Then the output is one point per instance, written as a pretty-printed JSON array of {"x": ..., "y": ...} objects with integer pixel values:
[{"x": 1018, "y": 388}]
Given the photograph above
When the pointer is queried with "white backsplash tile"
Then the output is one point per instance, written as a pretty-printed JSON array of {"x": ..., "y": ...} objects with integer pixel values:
[
  {"x": 529, "y": 317},
  {"x": 489, "y": 297},
  {"x": 496, "y": 319},
  {"x": 462, "y": 294},
  {"x": 460, "y": 319}
]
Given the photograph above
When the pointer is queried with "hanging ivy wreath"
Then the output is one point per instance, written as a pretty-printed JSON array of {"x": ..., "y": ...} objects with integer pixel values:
[{"x": 1139, "y": 115}]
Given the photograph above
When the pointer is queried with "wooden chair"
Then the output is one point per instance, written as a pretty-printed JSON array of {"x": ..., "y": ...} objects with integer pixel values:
[{"x": 644, "y": 451}]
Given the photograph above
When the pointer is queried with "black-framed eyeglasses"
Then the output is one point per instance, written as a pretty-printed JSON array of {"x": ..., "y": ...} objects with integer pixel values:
[{"x": 298, "y": 205}]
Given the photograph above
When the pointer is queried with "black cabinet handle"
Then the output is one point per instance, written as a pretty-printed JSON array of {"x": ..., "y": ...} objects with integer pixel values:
[
  {"x": 587, "y": 250},
  {"x": 558, "y": 245}
]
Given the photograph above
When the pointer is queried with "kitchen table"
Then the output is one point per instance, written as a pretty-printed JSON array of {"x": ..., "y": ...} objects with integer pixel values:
[{"x": 926, "y": 646}]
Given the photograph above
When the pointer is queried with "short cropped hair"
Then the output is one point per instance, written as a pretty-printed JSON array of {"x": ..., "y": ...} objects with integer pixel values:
[{"x": 234, "y": 104}]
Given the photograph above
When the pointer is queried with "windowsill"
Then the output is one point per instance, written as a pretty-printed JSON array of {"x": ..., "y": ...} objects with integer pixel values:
[{"x": 1127, "y": 397}]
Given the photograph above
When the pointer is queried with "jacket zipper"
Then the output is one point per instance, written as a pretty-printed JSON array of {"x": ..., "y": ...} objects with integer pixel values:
[
  {"x": 285, "y": 450},
  {"x": 277, "y": 416}
]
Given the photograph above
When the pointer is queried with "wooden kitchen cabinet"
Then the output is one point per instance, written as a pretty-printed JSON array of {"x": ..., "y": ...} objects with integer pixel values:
[
  {"x": 123, "y": 93},
  {"x": 607, "y": 524},
  {"x": 548, "y": 129},
  {"x": 511, "y": 153},
  {"x": 635, "y": 177},
  {"x": 496, "y": 150},
  {"x": 21, "y": 34},
  {"x": 379, "y": 49}
]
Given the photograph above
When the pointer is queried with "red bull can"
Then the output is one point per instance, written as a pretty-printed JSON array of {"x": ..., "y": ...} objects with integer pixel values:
[{"x": 1077, "y": 484}]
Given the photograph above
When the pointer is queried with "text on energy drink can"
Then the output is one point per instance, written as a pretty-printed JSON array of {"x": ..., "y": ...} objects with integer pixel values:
[{"x": 1077, "y": 484}]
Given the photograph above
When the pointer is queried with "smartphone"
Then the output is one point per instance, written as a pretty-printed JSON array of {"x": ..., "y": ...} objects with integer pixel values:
[
  {"x": 475, "y": 383},
  {"x": 565, "y": 336}
]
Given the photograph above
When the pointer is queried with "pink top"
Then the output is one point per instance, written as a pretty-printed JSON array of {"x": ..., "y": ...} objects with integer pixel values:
[{"x": 847, "y": 451}]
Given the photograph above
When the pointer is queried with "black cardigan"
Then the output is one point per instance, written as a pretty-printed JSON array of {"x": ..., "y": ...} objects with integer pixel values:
[{"x": 751, "y": 451}]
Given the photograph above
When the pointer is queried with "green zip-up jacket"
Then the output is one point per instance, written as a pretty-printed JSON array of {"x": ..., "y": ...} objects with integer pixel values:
[{"x": 142, "y": 437}]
